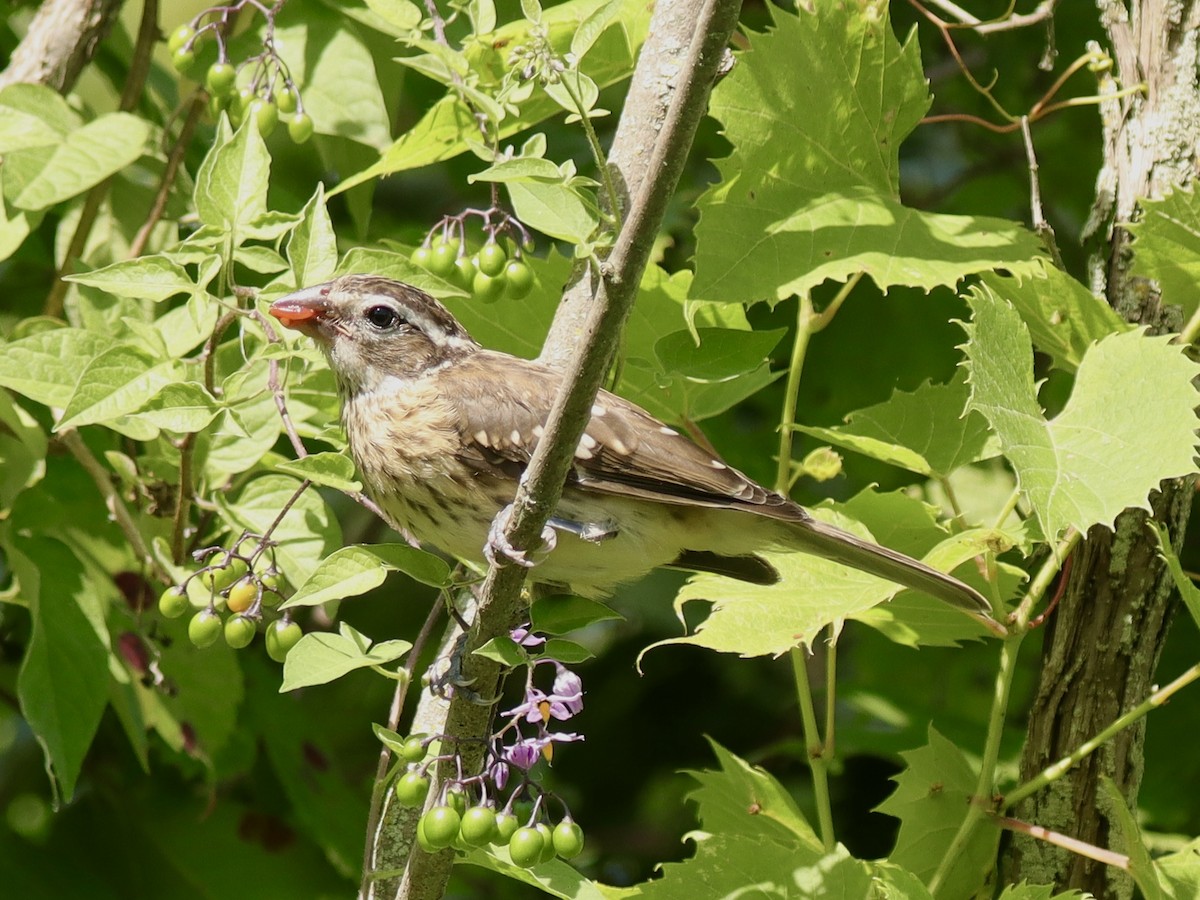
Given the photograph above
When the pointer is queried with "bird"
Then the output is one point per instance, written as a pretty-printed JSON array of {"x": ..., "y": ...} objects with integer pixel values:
[{"x": 442, "y": 429}]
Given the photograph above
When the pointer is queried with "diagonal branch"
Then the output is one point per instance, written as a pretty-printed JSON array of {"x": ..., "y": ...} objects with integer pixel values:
[{"x": 658, "y": 125}]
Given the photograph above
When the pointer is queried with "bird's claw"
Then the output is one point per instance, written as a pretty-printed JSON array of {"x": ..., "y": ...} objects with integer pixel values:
[
  {"x": 592, "y": 532},
  {"x": 446, "y": 679},
  {"x": 498, "y": 550}
]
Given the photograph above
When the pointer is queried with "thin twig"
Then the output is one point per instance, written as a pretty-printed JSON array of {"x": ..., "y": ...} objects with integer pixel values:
[
  {"x": 174, "y": 160},
  {"x": 1058, "y": 839}
]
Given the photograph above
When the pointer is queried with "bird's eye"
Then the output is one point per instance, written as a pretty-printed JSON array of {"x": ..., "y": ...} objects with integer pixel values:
[{"x": 382, "y": 317}]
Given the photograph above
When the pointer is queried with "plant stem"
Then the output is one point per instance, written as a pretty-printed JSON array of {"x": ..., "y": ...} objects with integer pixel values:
[
  {"x": 610, "y": 189},
  {"x": 787, "y": 418},
  {"x": 817, "y": 763}
]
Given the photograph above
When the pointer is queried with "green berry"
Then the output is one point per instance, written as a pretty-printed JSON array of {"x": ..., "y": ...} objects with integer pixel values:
[
  {"x": 217, "y": 578},
  {"x": 180, "y": 36},
  {"x": 414, "y": 749},
  {"x": 492, "y": 259},
  {"x": 242, "y": 595},
  {"x": 412, "y": 788},
  {"x": 183, "y": 59},
  {"x": 263, "y": 114},
  {"x": 464, "y": 271},
  {"x": 547, "y": 842},
  {"x": 506, "y": 825},
  {"x": 220, "y": 79},
  {"x": 422, "y": 257},
  {"x": 478, "y": 825},
  {"x": 520, "y": 279},
  {"x": 441, "y": 827},
  {"x": 204, "y": 628},
  {"x": 525, "y": 847},
  {"x": 281, "y": 637},
  {"x": 239, "y": 631},
  {"x": 487, "y": 289},
  {"x": 285, "y": 99},
  {"x": 443, "y": 256},
  {"x": 300, "y": 128},
  {"x": 456, "y": 797},
  {"x": 568, "y": 839},
  {"x": 173, "y": 603}
]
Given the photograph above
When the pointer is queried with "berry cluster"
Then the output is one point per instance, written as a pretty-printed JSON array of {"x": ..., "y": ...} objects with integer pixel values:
[
  {"x": 228, "y": 584},
  {"x": 476, "y": 810},
  {"x": 267, "y": 91},
  {"x": 491, "y": 272}
]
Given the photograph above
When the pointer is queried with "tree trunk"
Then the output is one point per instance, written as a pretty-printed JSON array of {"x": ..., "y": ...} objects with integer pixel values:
[
  {"x": 61, "y": 40},
  {"x": 1104, "y": 641}
]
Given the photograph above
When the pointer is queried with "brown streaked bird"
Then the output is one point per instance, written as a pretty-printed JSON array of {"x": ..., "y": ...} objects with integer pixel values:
[{"x": 442, "y": 429}]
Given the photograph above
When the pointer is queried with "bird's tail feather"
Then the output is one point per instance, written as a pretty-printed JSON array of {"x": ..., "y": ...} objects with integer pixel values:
[{"x": 833, "y": 543}]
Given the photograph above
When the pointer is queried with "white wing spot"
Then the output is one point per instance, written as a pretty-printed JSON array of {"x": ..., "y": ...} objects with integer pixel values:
[
  {"x": 581, "y": 453},
  {"x": 717, "y": 464},
  {"x": 587, "y": 442},
  {"x": 618, "y": 446},
  {"x": 598, "y": 410},
  {"x": 538, "y": 431},
  {"x": 671, "y": 432},
  {"x": 515, "y": 437},
  {"x": 481, "y": 438}
]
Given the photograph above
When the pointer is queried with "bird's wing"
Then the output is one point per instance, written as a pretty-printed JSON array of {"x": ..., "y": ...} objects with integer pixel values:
[{"x": 624, "y": 450}]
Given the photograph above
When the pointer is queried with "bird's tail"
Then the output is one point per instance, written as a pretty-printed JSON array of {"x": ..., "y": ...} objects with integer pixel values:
[{"x": 832, "y": 543}]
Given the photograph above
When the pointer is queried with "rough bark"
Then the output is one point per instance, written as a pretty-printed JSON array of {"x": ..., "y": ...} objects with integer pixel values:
[
  {"x": 1104, "y": 641},
  {"x": 61, "y": 40}
]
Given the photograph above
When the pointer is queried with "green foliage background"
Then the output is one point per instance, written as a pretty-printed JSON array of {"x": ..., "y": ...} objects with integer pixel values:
[{"x": 797, "y": 182}]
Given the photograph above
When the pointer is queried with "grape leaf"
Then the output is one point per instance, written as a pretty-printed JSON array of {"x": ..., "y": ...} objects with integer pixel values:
[
  {"x": 116, "y": 383},
  {"x": 1063, "y": 316},
  {"x": 1180, "y": 871},
  {"x": 816, "y": 111},
  {"x": 45, "y": 366},
  {"x": 931, "y": 800},
  {"x": 1130, "y": 421},
  {"x": 923, "y": 431},
  {"x": 1167, "y": 249}
]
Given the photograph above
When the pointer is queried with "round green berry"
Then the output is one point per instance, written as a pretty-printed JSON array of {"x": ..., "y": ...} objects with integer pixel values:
[
  {"x": 525, "y": 847},
  {"x": 492, "y": 259},
  {"x": 183, "y": 59},
  {"x": 441, "y": 826},
  {"x": 547, "y": 842},
  {"x": 239, "y": 631},
  {"x": 464, "y": 271},
  {"x": 300, "y": 128},
  {"x": 173, "y": 603},
  {"x": 442, "y": 257},
  {"x": 414, "y": 748},
  {"x": 568, "y": 839},
  {"x": 519, "y": 277},
  {"x": 487, "y": 289},
  {"x": 204, "y": 628},
  {"x": 422, "y": 257},
  {"x": 506, "y": 825},
  {"x": 285, "y": 99},
  {"x": 412, "y": 788},
  {"x": 281, "y": 637},
  {"x": 220, "y": 79},
  {"x": 478, "y": 825},
  {"x": 180, "y": 36},
  {"x": 263, "y": 114}
]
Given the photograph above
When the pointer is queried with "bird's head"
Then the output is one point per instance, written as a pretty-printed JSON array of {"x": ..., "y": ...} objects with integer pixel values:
[{"x": 372, "y": 328}]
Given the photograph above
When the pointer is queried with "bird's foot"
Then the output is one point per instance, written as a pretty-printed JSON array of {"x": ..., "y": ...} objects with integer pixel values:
[
  {"x": 446, "y": 679},
  {"x": 499, "y": 550}
]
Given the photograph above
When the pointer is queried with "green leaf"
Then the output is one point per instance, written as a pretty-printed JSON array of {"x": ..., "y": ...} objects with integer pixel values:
[
  {"x": 1180, "y": 871},
  {"x": 63, "y": 682},
  {"x": 312, "y": 248},
  {"x": 336, "y": 74},
  {"x": 333, "y": 470},
  {"x": 33, "y": 115},
  {"x": 1063, "y": 316},
  {"x": 355, "y": 570},
  {"x": 716, "y": 354},
  {"x": 45, "y": 366},
  {"x": 1130, "y": 421},
  {"x": 179, "y": 408},
  {"x": 923, "y": 431},
  {"x": 816, "y": 111},
  {"x": 560, "y": 614},
  {"x": 1141, "y": 867},
  {"x": 401, "y": 14},
  {"x": 322, "y": 657},
  {"x": 114, "y": 384},
  {"x": 593, "y": 26},
  {"x": 566, "y": 651},
  {"x": 1167, "y": 249},
  {"x": 390, "y": 264},
  {"x": 156, "y": 278},
  {"x": 1188, "y": 592},
  {"x": 503, "y": 650},
  {"x": 557, "y": 210},
  {"x": 931, "y": 800},
  {"x": 231, "y": 185},
  {"x": 86, "y": 157},
  {"x": 308, "y": 532},
  {"x": 449, "y": 128}
]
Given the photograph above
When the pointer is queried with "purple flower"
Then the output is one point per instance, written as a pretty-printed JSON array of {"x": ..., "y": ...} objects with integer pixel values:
[
  {"x": 525, "y": 752},
  {"x": 522, "y": 635}
]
